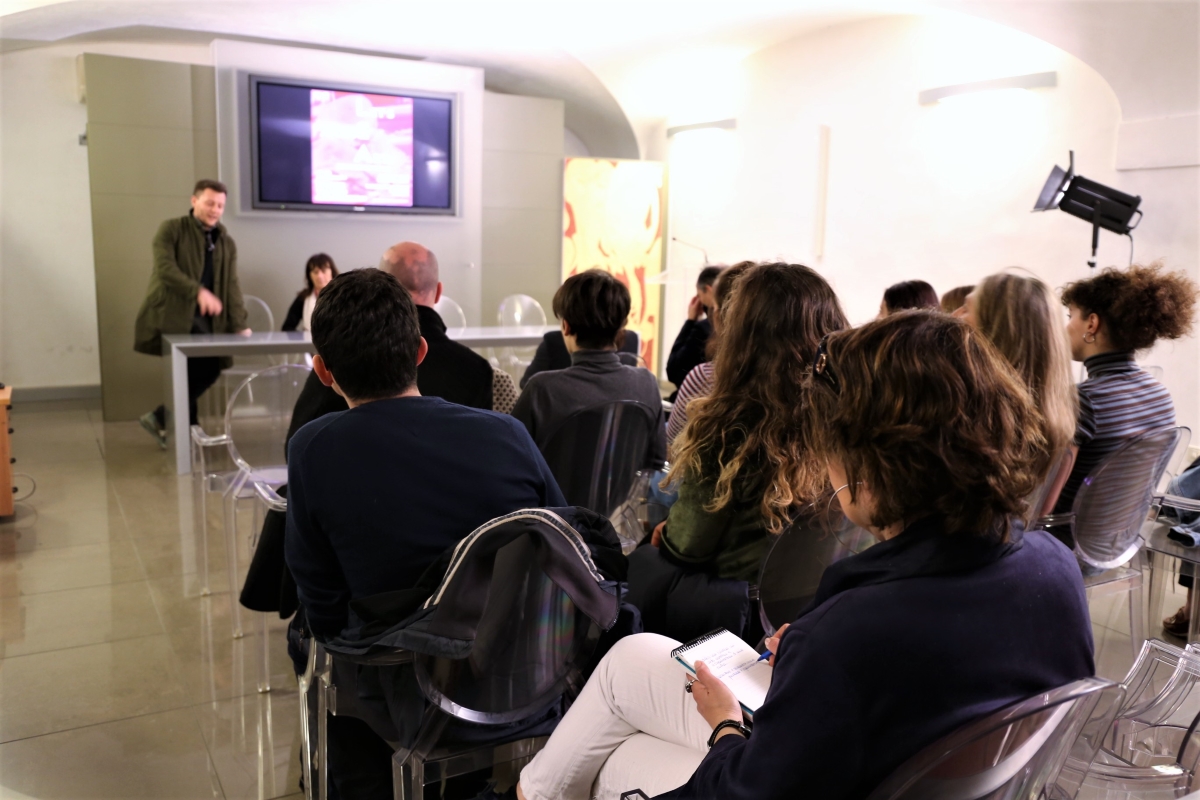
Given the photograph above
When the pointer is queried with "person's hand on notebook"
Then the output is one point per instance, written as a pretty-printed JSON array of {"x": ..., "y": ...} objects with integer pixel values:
[
  {"x": 772, "y": 642},
  {"x": 714, "y": 701}
]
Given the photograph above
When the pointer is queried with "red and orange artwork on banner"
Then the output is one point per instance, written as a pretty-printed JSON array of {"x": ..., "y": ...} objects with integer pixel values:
[{"x": 612, "y": 220}]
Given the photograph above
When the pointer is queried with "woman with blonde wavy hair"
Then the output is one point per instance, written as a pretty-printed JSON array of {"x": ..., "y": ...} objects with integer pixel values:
[
  {"x": 1023, "y": 319},
  {"x": 742, "y": 460}
]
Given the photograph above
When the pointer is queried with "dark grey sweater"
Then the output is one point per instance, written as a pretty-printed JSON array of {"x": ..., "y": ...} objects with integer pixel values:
[{"x": 595, "y": 377}]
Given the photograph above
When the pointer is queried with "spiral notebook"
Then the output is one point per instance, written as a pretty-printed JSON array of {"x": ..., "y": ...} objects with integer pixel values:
[{"x": 734, "y": 662}]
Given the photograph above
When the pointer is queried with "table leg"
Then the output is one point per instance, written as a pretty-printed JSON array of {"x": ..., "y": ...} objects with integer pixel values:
[
  {"x": 1159, "y": 577},
  {"x": 177, "y": 411}
]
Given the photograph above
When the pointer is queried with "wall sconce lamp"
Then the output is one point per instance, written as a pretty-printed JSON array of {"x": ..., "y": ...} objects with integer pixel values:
[
  {"x": 1036, "y": 80},
  {"x": 725, "y": 124},
  {"x": 1092, "y": 202}
]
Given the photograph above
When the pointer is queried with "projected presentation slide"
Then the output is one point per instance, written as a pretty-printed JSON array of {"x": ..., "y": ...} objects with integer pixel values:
[{"x": 362, "y": 148}]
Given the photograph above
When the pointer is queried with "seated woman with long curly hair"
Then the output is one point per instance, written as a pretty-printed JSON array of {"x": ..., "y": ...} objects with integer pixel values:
[
  {"x": 742, "y": 458},
  {"x": 932, "y": 442}
]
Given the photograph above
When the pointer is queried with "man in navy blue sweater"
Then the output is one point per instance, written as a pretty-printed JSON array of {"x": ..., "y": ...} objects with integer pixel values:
[{"x": 378, "y": 492}]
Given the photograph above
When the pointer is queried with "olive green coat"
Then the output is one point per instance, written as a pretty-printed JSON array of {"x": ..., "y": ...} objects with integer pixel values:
[
  {"x": 170, "y": 302},
  {"x": 730, "y": 543}
]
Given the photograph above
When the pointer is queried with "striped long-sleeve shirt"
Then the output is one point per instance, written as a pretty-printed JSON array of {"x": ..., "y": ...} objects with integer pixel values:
[
  {"x": 1118, "y": 401},
  {"x": 698, "y": 383}
]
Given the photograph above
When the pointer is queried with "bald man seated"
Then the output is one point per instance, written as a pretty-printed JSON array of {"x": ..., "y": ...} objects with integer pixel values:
[{"x": 450, "y": 371}]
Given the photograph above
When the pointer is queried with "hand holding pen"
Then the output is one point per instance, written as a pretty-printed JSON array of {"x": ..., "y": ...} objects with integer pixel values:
[{"x": 772, "y": 644}]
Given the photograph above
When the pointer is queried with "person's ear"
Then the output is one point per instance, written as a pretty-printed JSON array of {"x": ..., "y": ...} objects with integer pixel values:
[
  {"x": 323, "y": 373},
  {"x": 423, "y": 348},
  {"x": 438, "y": 295},
  {"x": 566, "y": 329},
  {"x": 1093, "y": 324}
]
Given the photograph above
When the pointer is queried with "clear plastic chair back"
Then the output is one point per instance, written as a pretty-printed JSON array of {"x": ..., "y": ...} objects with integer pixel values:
[
  {"x": 451, "y": 313},
  {"x": 792, "y": 569},
  {"x": 1112, "y": 503},
  {"x": 530, "y": 645},
  {"x": 258, "y": 314},
  {"x": 259, "y": 413},
  {"x": 1144, "y": 752},
  {"x": 596, "y": 453},
  {"x": 1017, "y": 752},
  {"x": 520, "y": 309}
]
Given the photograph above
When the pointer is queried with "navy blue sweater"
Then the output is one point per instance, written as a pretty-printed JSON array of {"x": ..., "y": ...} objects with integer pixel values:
[
  {"x": 377, "y": 493},
  {"x": 904, "y": 643}
]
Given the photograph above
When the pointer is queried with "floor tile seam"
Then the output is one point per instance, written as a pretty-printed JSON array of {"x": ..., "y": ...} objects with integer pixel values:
[
  {"x": 181, "y": 707},
  {"x": 91, "y": 644},
  {"x": 71, "y": 588},
  {"x": 212, "y": 762},
  {"x": 54, "y": 547}
]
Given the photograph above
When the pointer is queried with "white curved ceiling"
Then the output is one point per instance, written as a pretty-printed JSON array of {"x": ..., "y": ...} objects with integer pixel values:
[{"x": 1146, "y": 49}]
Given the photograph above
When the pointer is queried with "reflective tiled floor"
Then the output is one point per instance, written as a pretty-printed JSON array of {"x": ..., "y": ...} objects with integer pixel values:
[{"x": 118, "y": 677}]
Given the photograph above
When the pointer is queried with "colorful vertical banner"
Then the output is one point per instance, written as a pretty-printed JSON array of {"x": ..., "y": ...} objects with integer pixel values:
[{"x": 612, "y": 220}]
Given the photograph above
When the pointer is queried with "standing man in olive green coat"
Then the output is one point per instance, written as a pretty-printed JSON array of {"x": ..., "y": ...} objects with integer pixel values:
[{"x": 193, "y": 289}]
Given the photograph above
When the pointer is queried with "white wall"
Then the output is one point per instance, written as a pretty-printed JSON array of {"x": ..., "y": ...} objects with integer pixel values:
[
  {"x": 48, "y": 335},
  {"x": 940, "y": 192}
]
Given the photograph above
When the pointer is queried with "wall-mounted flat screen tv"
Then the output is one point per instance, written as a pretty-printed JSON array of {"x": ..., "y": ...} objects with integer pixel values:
[{"x": 329, "y": 148}]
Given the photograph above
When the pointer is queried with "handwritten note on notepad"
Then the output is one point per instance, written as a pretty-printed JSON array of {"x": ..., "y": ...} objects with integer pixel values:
[{"x": 734, "y": 662}]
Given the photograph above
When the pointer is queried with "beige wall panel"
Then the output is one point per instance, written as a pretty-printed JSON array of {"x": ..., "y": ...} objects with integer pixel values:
[
  {"x": 143, "y": 159},
  {"x": 204, "y": 98},
  {"x": 204, "y": 156},
  {"x": 524, "y": 257},
  {"x": 522, "y": 124},
  {"x": 522, "y": 180},
  {"x": 124, "y": 226},
  {"x": 156, "y": 161},
  {"x": 124, "y": 91},
  {"x": 131, "y": 383}
]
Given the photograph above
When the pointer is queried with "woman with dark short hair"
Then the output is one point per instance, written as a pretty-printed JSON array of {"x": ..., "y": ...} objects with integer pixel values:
[
  {"x": 318, "y": 272},
  {"x": 932, "y": 443},
  {"x": 908, "y": 294},
  {"x": 593, "y": 307}
]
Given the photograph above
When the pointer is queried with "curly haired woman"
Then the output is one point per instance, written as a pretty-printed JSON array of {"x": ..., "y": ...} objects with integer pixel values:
[
  {"x": 1112, "y": 316},
  {"x": 742, "y": 458}
]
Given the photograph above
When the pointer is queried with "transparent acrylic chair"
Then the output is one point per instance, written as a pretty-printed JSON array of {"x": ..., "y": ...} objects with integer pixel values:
[
  {"x": 1106, "y": 520},
  {"x": 1017, "y": 752},
  {"x": 259, "y": 319},
  {"x": 451, "y": 314},
  {"x": 269, "y": 500},
  {"x": 530, "y": 647},
  {"x": 518, "y": 310},
  {"x": 256, "y": 423},
  {"x": 792, "y": 568},
  {"x": 596, "y": 453},
  {"x": 1148, "y": 751}
]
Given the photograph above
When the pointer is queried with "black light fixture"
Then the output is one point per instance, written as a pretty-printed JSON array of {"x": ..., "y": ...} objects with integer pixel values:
[{"x": 1092, "y": 202}]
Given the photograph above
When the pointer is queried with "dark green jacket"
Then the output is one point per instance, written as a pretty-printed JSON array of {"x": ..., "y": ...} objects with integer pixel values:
[
  {"x": 170, "y": 302},
  {"x": 730, "y": 543}
]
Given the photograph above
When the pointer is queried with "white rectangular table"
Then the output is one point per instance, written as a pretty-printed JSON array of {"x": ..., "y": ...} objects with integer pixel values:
[{"x": 177, "y": 349}]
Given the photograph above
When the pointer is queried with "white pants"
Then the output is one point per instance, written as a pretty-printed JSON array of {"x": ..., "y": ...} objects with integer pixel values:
[{"x": 633, "y": 727}]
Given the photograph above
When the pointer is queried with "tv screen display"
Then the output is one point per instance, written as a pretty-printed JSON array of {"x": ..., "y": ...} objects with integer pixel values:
[{"x": 333, "y": 148}]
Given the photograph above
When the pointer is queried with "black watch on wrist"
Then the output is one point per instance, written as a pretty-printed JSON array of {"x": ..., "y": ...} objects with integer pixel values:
[{"x": 729, "y": 723}]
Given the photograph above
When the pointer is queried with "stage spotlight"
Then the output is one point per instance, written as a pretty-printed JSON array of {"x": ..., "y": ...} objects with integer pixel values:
[{"x": 1092, "y": 202}]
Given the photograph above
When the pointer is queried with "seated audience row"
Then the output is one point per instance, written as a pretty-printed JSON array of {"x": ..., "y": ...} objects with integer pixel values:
[{"x": 938, "y": 435}]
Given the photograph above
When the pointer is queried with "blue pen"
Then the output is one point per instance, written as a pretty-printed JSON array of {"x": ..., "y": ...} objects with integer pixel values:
[{"x": 765, "y": 655}]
